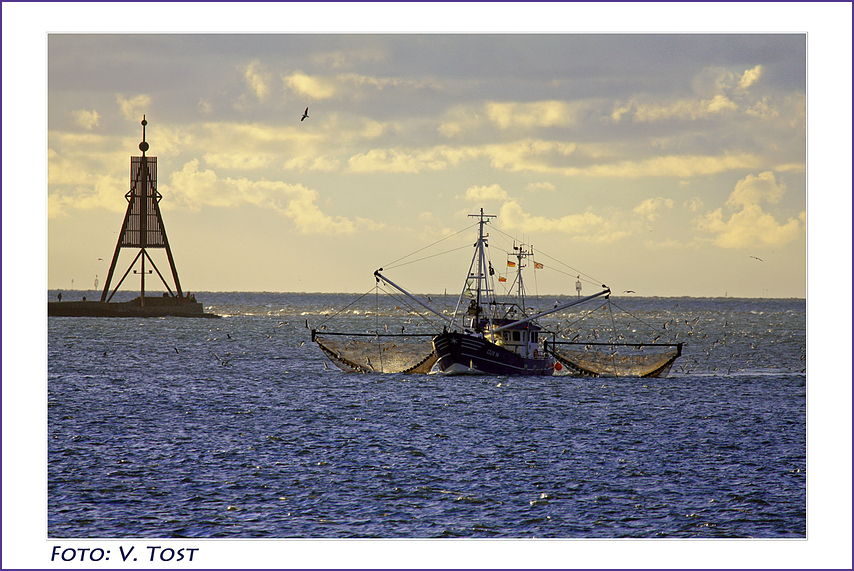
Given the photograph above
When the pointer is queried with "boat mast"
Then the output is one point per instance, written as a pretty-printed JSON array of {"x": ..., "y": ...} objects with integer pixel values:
[
  {"x": 520, "y": 253},
  {"x": 482, "y": 275}
]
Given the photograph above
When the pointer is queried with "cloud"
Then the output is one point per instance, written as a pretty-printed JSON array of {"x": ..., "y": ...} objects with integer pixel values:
[
  {"x": 482, "y": 193},
  {"x": 650, "y": 207},
  {"x": 350, "y": 86},
  {"x": 348, "y": 58},
  {"x": 194, "y": 188},
  {"x": 750, "y": 77},
  {"x": 694, "y": 204},
  {"x": 135, "y": 107},
  {"x": 755, "y": 189},
  {"x": 749, "y": 225},
  {"x": 535, "y": 186},
  {"x": 238, "y": 161},
  {"x": 205, "y": 107},
  {"x": 718, "y": 90},
  {"x": 312, "y": 87},
  {"x": 683, "y": 109},
  {"x": 103, "y": 192},
  {"x": 549, "y": 157},
  {"x": 530, "y": 115},
  {"x": 257, "y": 79},
  {"x": 403, "y": 161},
  {"x": 588, "y": 226},
  {"x": 86, "y": 119}
]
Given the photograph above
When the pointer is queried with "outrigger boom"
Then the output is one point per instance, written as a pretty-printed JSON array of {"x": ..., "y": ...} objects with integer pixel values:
[
  {"x": 605, "y": 291},
  {"x": 379, "y": 277}
]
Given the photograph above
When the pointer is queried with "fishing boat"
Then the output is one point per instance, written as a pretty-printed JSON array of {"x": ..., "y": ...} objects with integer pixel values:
[{"x": 485, "y": 335}]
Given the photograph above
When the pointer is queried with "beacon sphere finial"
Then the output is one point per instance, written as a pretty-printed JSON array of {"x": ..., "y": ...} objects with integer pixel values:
[{"x": 143, "y": 146}]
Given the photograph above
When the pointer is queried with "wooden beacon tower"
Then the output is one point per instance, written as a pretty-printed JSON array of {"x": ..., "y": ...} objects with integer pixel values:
[
  {"x": 142, "y": 230},
  {"x": 143, "y": 226}
]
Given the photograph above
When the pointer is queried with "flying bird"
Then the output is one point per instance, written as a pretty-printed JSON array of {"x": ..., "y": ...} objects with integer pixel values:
[
  {"x": 755, "y": 258},
  {"x": 304, "y": 115},
  {"x": 629, "y": 291}
]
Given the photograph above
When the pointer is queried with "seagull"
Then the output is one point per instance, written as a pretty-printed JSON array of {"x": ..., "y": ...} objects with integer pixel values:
[
  {"x": 755, "y": 258},
  {"x": 629, "y": 291},
  {"x": 304, "y": 115}
]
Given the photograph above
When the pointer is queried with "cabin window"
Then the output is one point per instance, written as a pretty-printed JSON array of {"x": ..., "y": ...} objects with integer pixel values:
[
  {"x": 535, "y": 337},
  {"x": 506, "y": 336},
  {"x": 515, "y": 336}
]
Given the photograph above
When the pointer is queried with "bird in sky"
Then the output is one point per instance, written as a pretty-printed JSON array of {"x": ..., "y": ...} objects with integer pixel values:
[
  {"x": 629, "y": 291},
  {"x": 755, "y": 258},
  {"x": 304, "y": 115}
]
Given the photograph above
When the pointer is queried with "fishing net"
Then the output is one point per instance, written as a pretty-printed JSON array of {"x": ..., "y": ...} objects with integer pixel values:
[
  {"x": 637, "y": 360},
  {"x": 378, "y": 356}
]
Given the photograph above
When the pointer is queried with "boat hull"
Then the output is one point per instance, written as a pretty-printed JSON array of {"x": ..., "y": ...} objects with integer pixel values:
[{"x": 459, "y": 353}]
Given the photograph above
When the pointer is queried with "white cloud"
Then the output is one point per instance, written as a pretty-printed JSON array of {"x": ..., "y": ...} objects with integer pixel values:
[
  {"x": 535, "y": 186},
  {"x": 530, "y": 115},
  {"x": 694, "y": 204},
  {"x": 749, "y": 225},
  {"x": 755, "y": 189},
  {"x": 551, "y": 157},
  {"x": 311, "y": 87},
  {"x": 403, "y": 161},
  {"x": 257, "y": 79},
  {"x": 86, "y": 119},
  {"x": 650, "y": 207},
  {"x": 348, "y": 58},
  {"x": 483, "y": 193},
  {"x": 459, "y": 121},
  {"x": 750, "y": 77},
  {"x": 193, "y": 188},
  {"x": 684, "y": 109},
  {"x": 135, "y": 107},
  {"x": 718, "y": 90},
  {"x": 588, "y": 226}
]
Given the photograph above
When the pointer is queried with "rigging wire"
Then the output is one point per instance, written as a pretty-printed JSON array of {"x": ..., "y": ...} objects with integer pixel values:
[
  {"x": 389, "y": 267},
  {"x": 615, "y": 336},
  {"x": 340, "y": 311},
  {"x": 651, "y": 327},
  {"x": 377, "y": 326},
  {"x": 575, "y": 272},
  {"x": 392, "y": 264},
  {"x": 411, "y": 308}
]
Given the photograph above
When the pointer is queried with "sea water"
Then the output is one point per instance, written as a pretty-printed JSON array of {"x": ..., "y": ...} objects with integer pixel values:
[{"x": 238, "y": 427}]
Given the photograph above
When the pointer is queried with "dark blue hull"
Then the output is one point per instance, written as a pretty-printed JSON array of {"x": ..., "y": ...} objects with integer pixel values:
[{"x": 459, "y": 353}]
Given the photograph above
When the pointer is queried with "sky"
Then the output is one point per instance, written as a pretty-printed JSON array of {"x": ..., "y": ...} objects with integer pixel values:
[
  {"x": 665, "y": 164},
  {"x": 654, "y": 147}
]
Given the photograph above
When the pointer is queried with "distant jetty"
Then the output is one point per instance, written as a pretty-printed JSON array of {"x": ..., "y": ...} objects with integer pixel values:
[
  {"x": 142, "y": 230},
  {"x": 151, "y": 307}
]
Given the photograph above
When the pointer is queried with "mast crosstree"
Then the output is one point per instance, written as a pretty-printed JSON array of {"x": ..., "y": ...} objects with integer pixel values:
[{"x": 143, "y": 227}]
